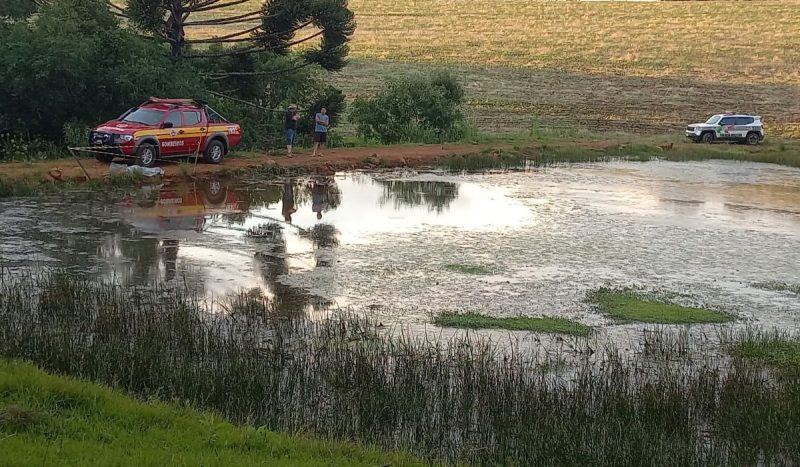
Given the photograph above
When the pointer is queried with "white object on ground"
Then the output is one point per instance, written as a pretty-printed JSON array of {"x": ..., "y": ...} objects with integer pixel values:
[{"x": 132, "y": 169}]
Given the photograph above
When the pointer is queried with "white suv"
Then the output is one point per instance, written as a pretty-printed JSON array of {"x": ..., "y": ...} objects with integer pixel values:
[{"x": 727, "y": 127}]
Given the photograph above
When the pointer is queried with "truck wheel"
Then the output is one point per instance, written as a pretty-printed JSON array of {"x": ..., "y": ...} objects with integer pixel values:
[
  {"x": 215, "y": 192},
  {"x": 707, "y": 137},
  {"x": 215, "y": 152},
  {"x": 752, "y": 138},
  {"x": 104, "y": 158},
  {"x": 146, "y": 155}
]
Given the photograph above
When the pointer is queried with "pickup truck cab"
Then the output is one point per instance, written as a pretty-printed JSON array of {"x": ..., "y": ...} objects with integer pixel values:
[{"x": 164, "y": 128}]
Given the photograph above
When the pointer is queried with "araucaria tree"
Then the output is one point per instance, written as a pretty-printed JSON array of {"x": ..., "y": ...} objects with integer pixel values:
[{"x": 275, "y": 27}]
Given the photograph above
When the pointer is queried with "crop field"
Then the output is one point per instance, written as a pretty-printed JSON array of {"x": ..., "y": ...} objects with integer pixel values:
[{"x": 638, "y": 67}]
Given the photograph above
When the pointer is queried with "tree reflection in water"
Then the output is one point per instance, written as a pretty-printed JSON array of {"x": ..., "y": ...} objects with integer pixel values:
[
  {"x": 437, "y": 196},
  {"x": 272, "y": 261}
]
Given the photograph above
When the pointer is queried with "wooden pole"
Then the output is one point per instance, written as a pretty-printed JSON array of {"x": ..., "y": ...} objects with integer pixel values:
[{"x": 85, "y": 173}]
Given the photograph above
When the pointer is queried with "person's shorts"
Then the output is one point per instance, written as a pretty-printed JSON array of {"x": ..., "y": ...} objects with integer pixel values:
[
  {"x": 320, "y": 137},
  {"x": 291, "y": 136}
]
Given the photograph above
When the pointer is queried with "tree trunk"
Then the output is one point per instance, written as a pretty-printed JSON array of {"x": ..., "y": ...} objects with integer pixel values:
[{"x": 175, "y": 31}]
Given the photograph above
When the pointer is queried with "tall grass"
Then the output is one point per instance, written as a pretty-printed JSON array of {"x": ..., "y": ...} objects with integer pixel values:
[{"x": 343, "y": 377}]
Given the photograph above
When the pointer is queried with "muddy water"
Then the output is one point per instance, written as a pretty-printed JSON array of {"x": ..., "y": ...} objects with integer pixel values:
[{"x": 382, "y": 242}]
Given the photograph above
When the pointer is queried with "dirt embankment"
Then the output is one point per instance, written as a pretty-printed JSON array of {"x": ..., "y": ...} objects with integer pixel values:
[{"x": 333, "y": 160}]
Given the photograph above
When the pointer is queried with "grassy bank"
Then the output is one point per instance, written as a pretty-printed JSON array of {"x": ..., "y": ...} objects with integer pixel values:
[
  {"x": 638, "y": 306},
  {"x": 53, "y": 420},
  {"x": 546, "y": 146},
  {"x": 539, "y": 147},
  {"x": 38, "y": 185},
  {"x": 517, "y": 323},
  {"x": 343, "y": 377}
]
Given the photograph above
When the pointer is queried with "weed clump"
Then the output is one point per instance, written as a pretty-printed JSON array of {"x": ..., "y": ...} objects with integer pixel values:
[
  {"x": 346, "y": 377},
  {"x": 545, "y": 324},
  {"x": 777, "y": 286},
  {"x": 632, "y": 305},
  {"x": 476, "y": 269}
]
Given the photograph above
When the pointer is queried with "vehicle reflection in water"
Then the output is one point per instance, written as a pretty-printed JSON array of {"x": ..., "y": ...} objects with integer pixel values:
[
  {"x": 158, "y": 218},
  {"x": 279, "y": 238},
  {"x": 159, "y": 209}
]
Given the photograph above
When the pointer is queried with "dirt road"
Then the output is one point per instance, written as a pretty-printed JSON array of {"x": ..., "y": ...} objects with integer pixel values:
[{"x": 333, "y": 160}]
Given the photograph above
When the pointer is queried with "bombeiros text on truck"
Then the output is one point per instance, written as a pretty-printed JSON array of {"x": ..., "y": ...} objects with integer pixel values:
[{"x": 164, "y": 128}]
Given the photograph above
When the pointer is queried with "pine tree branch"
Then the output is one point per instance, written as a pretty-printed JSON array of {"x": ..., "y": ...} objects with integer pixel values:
[
  {"x": 242, "y": 101},
  {"x": 223, "y": 75},
  {"x": 228, "y": 20},
  {"x": 278, "y": 33},
  {"x": 228, "y": 38},
  {"x": 118, "y": 11},
  {"x": 216, "y": 7},
  {"x": 253, "y": 49},
  {"x": 202, "y": 4}
]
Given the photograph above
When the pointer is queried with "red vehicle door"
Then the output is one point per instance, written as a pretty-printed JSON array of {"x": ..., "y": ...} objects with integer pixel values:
[
  {"x": 194, "y": 130},
  {"x": 171, "y": 137}
]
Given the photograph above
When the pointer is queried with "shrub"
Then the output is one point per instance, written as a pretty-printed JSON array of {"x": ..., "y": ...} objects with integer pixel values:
[
  {"x": 76, "y": 134},
  {"x": 415, "y": 108},
  {"x": 73, "y": 61}
]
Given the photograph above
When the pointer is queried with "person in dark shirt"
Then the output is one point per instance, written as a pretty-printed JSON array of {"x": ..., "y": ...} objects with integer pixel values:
[
  {"x": 288, "y": 202},
  {"x": 290, "y": 128}
]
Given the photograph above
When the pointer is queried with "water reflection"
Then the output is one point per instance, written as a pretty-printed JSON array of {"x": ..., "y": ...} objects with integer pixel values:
[
  {"x": 385, "y": 239},
  {"x": 435, "y": 195},
  {"x": 218, "y": 236}
]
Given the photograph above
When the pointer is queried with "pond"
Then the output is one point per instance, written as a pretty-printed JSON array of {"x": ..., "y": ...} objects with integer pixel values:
[{"x": 403, "y": 245}]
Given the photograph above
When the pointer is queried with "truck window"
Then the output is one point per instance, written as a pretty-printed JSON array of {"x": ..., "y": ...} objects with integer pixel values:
[
  {"x": 174, "y": 118},
  {"x": 144, "y": 116},
  {"x": 744, "y": 120},
  {"x": 728, "y": 121},
  {"x": 191, "y": 117}
]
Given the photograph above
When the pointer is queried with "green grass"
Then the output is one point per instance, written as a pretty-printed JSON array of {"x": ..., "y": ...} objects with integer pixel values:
[
  {"x": 518, "y": 323},
  {"x": 778, "y": 287},
  {"x": 632, "y": 305},
  {"x": 460, "y": 400},
  {"x": 53, "y": 420},
  {"x": 476, "y": 269},
  {"x": 775, "y": 349},
  {"x": 35, "y": 186},
  {"x": 552, "y": 147}
]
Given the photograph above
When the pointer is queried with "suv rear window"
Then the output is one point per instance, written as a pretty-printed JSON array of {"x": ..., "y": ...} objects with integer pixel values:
[
  {"x": 744, "y": 120},
  {"x": 191, "y": 118}
]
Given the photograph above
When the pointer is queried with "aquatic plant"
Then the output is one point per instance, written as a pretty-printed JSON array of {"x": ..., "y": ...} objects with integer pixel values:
[
  {"x": 546, "y": 324},
  {"x": 628, "y": 304},
  {"x": 468, "y": 268},
  {"x": 778, "y": 286},
  {"x": 464, "y": 400}
]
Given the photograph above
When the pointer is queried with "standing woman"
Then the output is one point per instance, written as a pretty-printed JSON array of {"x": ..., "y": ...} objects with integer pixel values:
[
  {"x": 290, "y": 128},
  {"x": 321, "y": 130}
]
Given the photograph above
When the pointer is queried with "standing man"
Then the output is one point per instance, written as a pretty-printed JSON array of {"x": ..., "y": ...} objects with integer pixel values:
[
  {"x": 290, "y": 128},
  {"x": 288, "y": 201},
  {"x": 319, "y": 196},
  {"x": 321, "y": 130}
]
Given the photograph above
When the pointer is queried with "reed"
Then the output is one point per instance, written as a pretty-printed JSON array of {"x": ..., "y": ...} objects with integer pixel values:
[{"x": 464, "y": 400}]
